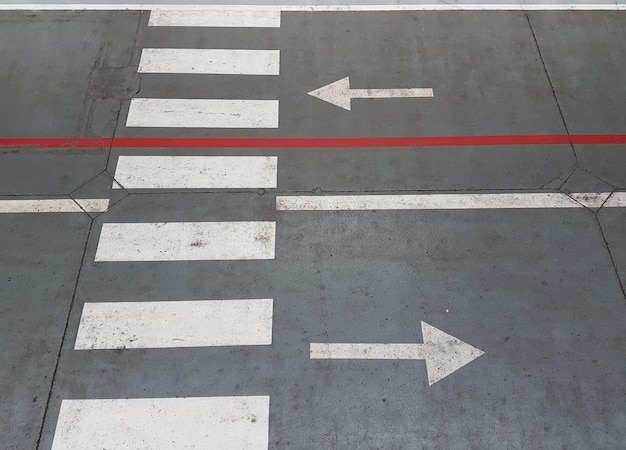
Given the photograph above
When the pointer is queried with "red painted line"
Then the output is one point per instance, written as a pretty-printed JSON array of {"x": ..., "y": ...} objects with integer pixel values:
[
  {"x": 592, "y": 139},
  {"x": 443, "y": 141},
  {"x": 366, "y": 142},
  {"x": 55, "y": 143}
]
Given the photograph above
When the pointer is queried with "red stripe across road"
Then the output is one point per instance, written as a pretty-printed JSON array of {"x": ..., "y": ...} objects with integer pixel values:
[{"x": 345, "y": 142}]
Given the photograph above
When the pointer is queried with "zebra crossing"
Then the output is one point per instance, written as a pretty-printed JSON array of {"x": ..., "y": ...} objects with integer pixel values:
[
  {"x": 214, "y": 112},
  {"x": 217, "y": 422},
  {"x": 207, "y": 422}
]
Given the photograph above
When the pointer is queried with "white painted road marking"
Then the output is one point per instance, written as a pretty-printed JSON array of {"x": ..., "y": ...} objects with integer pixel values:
[
  {"x": 225, "y": 16},
  {"x": 186, "y": 241},
  {"x": 616, "y": 200},
  {"x": 60, "y": 205},
  {"x": 202, "y": 323},
  {"x": 237, "y": 9},
  {"x": 197, "y": 423},
  {"x": 425, "y": 201},
  {"x": 209, "y": 61},
  {"x": 590, "y": 199},
  {"x": 196, "y": 172},
  {"x": 340, "y": 94},
  {"x": 443, "y": 353},
  {"x": 202, "y": 113}
]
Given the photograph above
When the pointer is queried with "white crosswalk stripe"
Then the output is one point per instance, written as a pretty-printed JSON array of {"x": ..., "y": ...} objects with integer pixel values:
[
  {"x": 201, "y": 113},
  {"x": 186, "y": 241},
  {"x": 235, "y": 18},
  {"x": 209, "y": 61},
  {"x": 196, "y": 172},
  {"x": 200, "y": 323},
  {"x": 195, "y": 423}
]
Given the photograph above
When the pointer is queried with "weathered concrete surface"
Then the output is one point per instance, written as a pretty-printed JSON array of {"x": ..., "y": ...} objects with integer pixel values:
[
  {"x": 54, "y": 64},
  {"x": 39, "y": 263},
  {"x": 612, "y": 221},
  {"x": 537, "y": 290},
  {"x": 49, "y": 87},
  {"x": 584, "y": 57}
]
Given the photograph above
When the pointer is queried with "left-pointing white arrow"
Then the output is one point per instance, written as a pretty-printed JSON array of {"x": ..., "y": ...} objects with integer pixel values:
[
  {"x": 340, "y": 94},
  {"x": 443, "y": 353}
]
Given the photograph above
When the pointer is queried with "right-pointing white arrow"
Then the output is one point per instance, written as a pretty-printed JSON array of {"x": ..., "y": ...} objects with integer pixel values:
[{"x": 444, "y": 354}]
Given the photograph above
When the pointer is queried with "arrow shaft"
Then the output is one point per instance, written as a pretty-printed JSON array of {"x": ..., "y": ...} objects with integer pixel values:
[
  {"x": 443, "y": 353},
  {"x": 369, "y": 351},
  {"x": 391, "y": 93}
]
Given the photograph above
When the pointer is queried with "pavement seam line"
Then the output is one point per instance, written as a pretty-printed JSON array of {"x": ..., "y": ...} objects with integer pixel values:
[
  {"x": 72, "y": 192},
  {"x": 113, "y": 204},
  {"x": 572, "y": 172},
  {"x": 121, "y": 186},
  {"x": 613, "y": 191},
  {"x": 588, "y": 208},
  {"x": 83, "y": 209},
  {"x": 608, "y": 249},
  {"x": 584, "y": 169},
  {"x": 96, "y": 214},
  {"x": 554, "y": 94},
  {"x": 63, "y": 337}
]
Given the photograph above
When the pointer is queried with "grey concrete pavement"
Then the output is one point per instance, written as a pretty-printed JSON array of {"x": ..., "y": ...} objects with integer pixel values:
[
  {"x": 40, "y": 262},
  {"x": 52, "y": 86},
  {"x": 540, "y": 291}
]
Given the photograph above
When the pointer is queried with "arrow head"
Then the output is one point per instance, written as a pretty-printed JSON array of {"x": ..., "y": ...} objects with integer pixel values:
[
  {"x": 337, "y": 93},
  {"x": 446, "y": 354}
]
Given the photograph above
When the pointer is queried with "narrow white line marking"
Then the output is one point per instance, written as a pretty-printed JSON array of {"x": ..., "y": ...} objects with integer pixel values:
[
  {"x": 237, "y": 9},
  {"x": 186, "y": 241},
  {"x": 225, "y": 16},
  {"x": 196, "y": 172},
  {"x": 62, "y": 205},
  {"x": 196, "y": 423},
  {"x": 391, "y": 93},
  {"x": 590, "y": 199},
  {"x": 203, "y": 323},
  {"x": 201, "y": 113},
  {"x": 616, "y": 200},
  {"x": 93, "y": 204},
  {"x": 425, "y": 201},
  {"x": 210, "y": 61}
]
